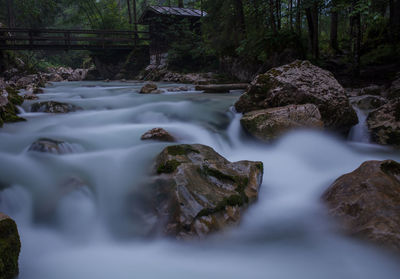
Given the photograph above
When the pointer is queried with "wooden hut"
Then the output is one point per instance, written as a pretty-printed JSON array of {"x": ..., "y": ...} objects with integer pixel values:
[{"x": 160, "y": 19}]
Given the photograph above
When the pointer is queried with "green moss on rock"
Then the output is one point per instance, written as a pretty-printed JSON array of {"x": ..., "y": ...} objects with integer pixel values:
[
  {"x": 168, "y": 167},
  {"x": 183, "y": 149}
]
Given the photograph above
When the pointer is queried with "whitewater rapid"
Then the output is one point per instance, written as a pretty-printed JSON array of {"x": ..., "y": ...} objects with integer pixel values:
[{"x": 88, "y": 231}]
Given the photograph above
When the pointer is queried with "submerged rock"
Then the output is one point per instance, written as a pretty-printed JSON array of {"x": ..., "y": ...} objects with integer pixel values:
[
  {"x": 53, "y": 107},
  {"x": 367, "y": 202},
  {"x": 384, "y": 124},
  {"x": 149, "y": 88},
  {"x": 197, "y": 191},
  {"x": 10, "y": 247},
  {"x": 158, "y": 134},
  {"x": 51, "y": 146},
  {"x": 301, "y": 83},
  {"x": 271, "y": 123}
]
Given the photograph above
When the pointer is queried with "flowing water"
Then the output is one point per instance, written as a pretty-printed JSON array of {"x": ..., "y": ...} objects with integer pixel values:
[{"x": 75, "y": 218}]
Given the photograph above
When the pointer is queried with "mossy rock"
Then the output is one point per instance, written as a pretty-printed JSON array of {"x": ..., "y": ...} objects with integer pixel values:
[
  {"x": 10, "y": 247},
  {"x": 193, "y": 184}
]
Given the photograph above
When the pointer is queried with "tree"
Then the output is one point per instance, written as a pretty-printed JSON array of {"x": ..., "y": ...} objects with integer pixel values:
[{"x": 312, "y": 14}]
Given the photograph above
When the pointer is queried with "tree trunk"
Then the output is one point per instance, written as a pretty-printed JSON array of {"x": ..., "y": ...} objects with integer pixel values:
[
  {"x": 240, "y": 16},
  {"x": 128, "y": 2},
  {"x": 334, "y": 27},
  {"x": 395, "y": 18},
  {"x": 291, "y": 14},
  {"x": 278, "y": 13},
  {"x": 312, "y": 14},
  {"x": 180, "y": 3},
  {"x": 298, "y": 17},
  {"x": 272, "y": 15},
  {"x": 11, "y": 14},
  {"x": 356, "y": 39}
]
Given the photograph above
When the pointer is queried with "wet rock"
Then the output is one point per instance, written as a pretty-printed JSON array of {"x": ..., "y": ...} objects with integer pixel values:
[
  {"x": 52, "y": 146},
  {"x": 30, "y": 97},
  {"x": 269, "y": 124},
  {"x": 9, "y": 99},
  {"x": 221, "y": 88},
  {"x": 23, "y": 82},
  {"x": 197, "y": 191},
  {"x": 367, "y": 202},
  {"x": 149, "y": 88},
  {"x": 10, "y": 247},
  {"x": 178, "y": 89},
  {"x": 78, "y": 75},
  {"x": 368, "y": 102},
  {"x": 53, "y": 77},
  {"x": 158, "y": 134},
  {"x": 301, "y": 83},
  {"x": 53, "y": 107},
  {"x": 394, "y": 90},
  {"x": 375, "y": 90},
  {"x": 384, "y": 124}
]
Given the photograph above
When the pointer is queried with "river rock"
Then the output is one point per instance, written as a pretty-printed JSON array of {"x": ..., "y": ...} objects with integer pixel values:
[
  {"x": 23, "y": 82},
  {"x": 52, "y": 146},
  {"x": 53, "y": 107},
  {"x": 10, "y": 247},
  {"x": 301, "y": 83},
  {"x": 149, "y": 88},
  {"x": 367, "y": 202},
  {"x": 78, "y": 75},
  {"x": 373, "y": 89},
  {"x": 394, "y": 90},
  {"x": 53, "y": 77},
  {"x": 197, "y": 191},
  {"x": 9, "y": 99},
  {"x": 269, "y": 124},
  {"x": 368, "y": 102},
  {"x": 158, "y": 134},
  {"x": 384, "y": 124}
]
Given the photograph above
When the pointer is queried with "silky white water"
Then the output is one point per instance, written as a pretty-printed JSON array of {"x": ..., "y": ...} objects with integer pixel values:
[{"x": 78, "y": 217}]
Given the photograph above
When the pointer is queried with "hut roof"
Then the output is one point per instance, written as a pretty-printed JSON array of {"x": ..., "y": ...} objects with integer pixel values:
[{"x": 175, "y": 11}]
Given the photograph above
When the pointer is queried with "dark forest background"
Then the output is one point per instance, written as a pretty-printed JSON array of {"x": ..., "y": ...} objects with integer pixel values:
[{"x": 350, "y": 37}]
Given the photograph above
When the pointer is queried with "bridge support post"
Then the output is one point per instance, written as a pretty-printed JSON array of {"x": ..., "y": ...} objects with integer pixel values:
[{"x": 67, "y": 41}]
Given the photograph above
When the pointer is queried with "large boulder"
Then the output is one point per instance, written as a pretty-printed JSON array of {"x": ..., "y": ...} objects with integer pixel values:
[
  {"x": 367, "y": 202},
  {"x": 301, "y": 83},
  {"x": 158, "y": 134},
  {"x": 10, "y": 247},
  {"x": 384, "y": 124},
  {"x": 53, "y": 107},
  {"x": 196, "y": 191},
  {"x": 269, "y": 124}
]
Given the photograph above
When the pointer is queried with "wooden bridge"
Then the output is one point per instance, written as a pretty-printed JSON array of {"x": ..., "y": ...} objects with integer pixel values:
[{"x": 65, "y": 39}]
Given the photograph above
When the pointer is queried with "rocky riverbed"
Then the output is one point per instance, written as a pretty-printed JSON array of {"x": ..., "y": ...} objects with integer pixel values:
[{"x": 101, "y": 174}]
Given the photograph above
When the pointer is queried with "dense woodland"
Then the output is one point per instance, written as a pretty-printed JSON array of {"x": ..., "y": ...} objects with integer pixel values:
[{"x": 351, "y": 35}]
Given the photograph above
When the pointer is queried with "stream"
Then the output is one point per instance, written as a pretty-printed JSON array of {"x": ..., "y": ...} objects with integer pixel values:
[{"x": 74, "y": 215}]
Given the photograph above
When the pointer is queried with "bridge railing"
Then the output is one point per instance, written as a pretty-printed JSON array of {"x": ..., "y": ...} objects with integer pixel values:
[{"x": 22, "y": 38}]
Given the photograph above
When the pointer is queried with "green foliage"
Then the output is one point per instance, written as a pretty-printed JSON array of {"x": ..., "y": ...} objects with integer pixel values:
[
  {"x": 261, "y": 46},
  {"x": 187, "y": 51}
]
